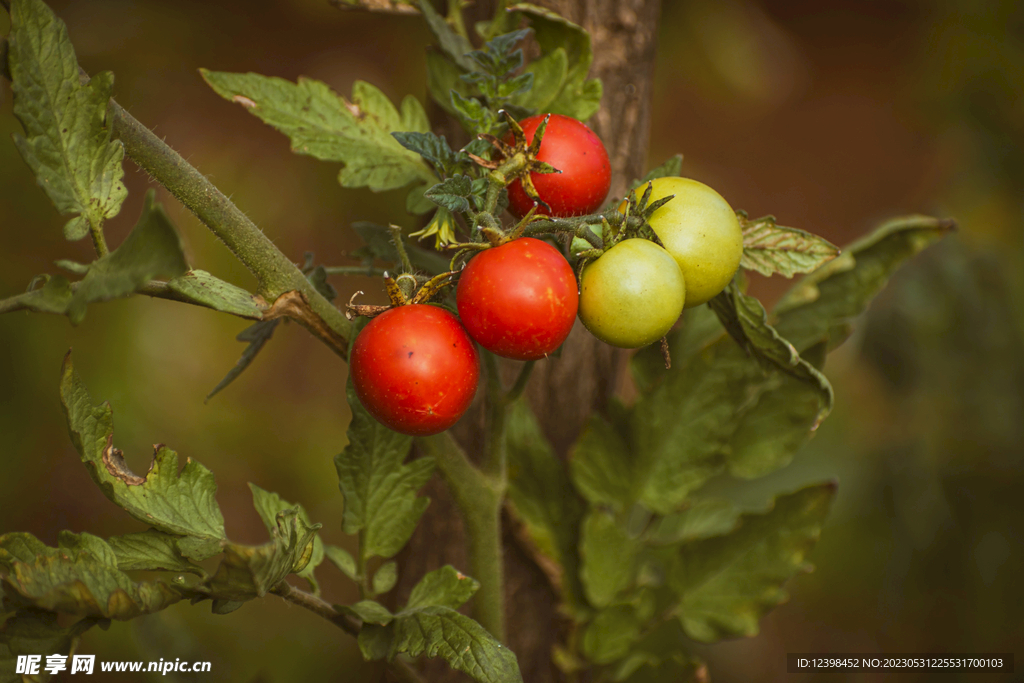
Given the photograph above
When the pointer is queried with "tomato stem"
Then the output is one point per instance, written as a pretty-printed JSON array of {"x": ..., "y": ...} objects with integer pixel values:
[
  {"x": 479, "y": 499},
  {"x": 399, "y": 244}
]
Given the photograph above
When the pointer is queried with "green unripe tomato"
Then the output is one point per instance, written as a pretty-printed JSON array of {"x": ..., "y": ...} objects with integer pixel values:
[
  {"x": 701, "y": 232},
  {"x": 632, "y": 295}
]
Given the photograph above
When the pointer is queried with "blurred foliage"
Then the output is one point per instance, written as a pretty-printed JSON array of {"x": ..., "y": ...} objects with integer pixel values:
[{"x": 828, "y": 115}]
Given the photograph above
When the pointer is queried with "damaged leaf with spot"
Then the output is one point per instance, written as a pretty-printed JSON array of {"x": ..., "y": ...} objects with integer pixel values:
[
  {"x": 179, "y": 503},
  {"x": 80, "y": 577}
]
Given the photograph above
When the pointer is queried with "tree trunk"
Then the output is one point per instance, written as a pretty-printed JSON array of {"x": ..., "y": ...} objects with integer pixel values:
[{"x": 563, "y": 391}]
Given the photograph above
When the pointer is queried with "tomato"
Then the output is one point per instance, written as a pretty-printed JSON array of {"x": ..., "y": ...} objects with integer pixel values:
[
  {"x": 415, "y": 369},
  {"x": 574, "y": 149},
  {"x": 632, "y": 295},
  {"x": 701, "y": 231},
  {"x": 518, "y": 300}
]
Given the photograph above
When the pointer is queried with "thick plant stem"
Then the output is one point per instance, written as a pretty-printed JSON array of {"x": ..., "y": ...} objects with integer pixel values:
[
  {"x": 275, "y": 273},
  {"x": 479, "y": 499},
  {"x": 487, "y": 565}
]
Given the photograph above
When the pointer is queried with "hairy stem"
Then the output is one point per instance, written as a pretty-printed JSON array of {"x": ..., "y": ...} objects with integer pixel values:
[
  {"x": 479, "y": 498},
  {"x": 275, "y": 273},
  {"x": 348, "y": 624},
  {"x": 99, "y": 240}
]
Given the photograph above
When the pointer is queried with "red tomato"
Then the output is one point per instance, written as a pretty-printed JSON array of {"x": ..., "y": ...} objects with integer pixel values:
[
  {"x": 578, "y": 153},
  {"x": 518, "y": 300},
  {"x": 415, "y": 369}
]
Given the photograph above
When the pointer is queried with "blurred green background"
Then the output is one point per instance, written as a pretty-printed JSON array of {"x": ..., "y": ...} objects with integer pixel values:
[{"x": 829, "y": 115}]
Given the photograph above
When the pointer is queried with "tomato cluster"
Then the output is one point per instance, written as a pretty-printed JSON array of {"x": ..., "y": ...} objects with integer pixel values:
[
  {"x": 632, "y": 295},
  {"x": 416, "y": 367}
]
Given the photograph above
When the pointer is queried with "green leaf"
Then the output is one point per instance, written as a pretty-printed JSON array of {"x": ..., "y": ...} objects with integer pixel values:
[
  {"x": 152, "y": 248},
  {"x": 602, "y": 466},
  {"x": 343, "y": 560},
  {"x": 747, "y": 322},
  {"x": 581, "y": 101},
  {"x": 704, "y": 518},
  {"x": 671, "y": 168},
  {"x": 452, "y": 194},
  {"x": 451, "y": 43},
  {"x": 443, "y": 76},
  {"x": 385, "y": 578},
  {"x": 247, "y": 572},
  {"x": 541, "y": 496},
  {"x": 474, "y": 116},
  {"x": 816, "y": 316},
  {"x": 53, "y": 297},
  {"x": 698, "y": 328},
  {"x": 682, "y": 427},
  {"x": 270, "y": 507},
  {"x": 369, "y": 611},
  {"x": 578, "y": 97},
  {"x": 325, "y": 126},
  {"x": 444, "y": 587},
  {"x": 256, "y": 335},
  {"x": 79, "y": 576},
  {"x": 460, "y": 641},
  {"x": 434, "y": 149},
  {"x": 661, "y": 650},
  {"x": 611, "y": 634},
  {"x": 181, "y": 503},
  {"x": 198, "y": 549},
  {"x": 374, "y": 641},
  {"x": 496, "y": 59},
  {"x": 34, "y": 632},
  {"x": 199, "y": 287},
  {"x": 727, "y": 583},
  {"x": 769, "y": 248},
  {"x": 549, "y": 75},
  {"x": 151, "y": 550},
  {"x": 380, "y": 491},
  {"x": 67, "y": 137},
  {"x": 821, "y": 306},
  {"x": 608, "y": 558}
]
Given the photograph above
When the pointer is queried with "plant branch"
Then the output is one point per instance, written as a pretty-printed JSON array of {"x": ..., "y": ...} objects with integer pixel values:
[
  {"x": 156, "y": 289},
  {"x": 274, "y": 272},
  {"x": 348, "y": 624},
  {"x": 479, "y": 498}
]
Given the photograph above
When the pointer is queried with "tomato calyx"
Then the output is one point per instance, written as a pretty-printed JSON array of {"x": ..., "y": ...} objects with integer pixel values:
[
  {"x": 404, "y": 290},
  {"x": 518, "y": 160}
]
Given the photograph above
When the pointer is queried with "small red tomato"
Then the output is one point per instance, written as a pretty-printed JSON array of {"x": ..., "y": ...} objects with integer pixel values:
[
  {"x": 518, "y": 300},
  {"x": 415, "y": 369},
  {"x": 578, "y": 153}
]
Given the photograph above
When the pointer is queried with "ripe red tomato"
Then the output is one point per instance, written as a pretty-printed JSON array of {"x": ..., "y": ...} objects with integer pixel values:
[
  {"x": 518, "y": 300},
  {"x": 415, "y": 369},
  {"x": 578, "y": 153}
]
